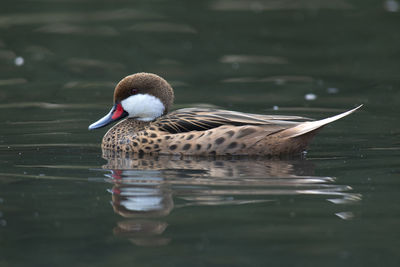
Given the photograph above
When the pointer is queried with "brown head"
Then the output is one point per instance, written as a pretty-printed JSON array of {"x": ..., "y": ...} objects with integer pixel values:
[{"x": 143, "y": 96}]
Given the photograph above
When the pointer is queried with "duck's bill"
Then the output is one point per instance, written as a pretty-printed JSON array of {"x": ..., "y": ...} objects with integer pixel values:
[{"x": 115, "y": 114}]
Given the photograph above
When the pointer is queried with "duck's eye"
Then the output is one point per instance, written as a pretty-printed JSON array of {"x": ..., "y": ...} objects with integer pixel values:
[{"x": 134, "y": 91}]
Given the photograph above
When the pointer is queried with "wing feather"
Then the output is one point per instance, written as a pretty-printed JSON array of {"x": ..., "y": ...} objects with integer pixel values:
[{"x": 201, "y": 119}]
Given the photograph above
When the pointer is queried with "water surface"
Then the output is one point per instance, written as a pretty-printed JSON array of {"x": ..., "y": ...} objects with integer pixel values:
[{"x": 62, "y": 202}]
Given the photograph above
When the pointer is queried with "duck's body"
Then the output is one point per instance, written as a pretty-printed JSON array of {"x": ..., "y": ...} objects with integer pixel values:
[{"x": 195, "y": 131}]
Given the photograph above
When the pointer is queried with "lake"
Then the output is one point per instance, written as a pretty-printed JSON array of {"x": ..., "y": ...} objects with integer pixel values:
[{"x": 64, "y": 202}]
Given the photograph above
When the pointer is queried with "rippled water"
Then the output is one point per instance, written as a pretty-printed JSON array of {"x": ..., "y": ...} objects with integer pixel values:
[{"x": 64, "y": 202}]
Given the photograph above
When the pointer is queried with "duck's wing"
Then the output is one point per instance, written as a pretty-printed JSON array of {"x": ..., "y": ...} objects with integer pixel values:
[{"x": 201, "y": 119}]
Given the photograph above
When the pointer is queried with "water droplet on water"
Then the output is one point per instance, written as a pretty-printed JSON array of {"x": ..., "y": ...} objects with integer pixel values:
[
  {"x": 19, "y": 61},
  {"x": 391, "y": 5},
  {"x": 310, "y": 97}
]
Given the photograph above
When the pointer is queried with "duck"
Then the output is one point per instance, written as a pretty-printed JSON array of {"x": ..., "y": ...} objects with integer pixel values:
[{"x": 142, "y": 104}]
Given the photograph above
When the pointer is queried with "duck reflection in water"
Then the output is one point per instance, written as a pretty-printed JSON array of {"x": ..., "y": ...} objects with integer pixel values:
[
  {"x": 146, "y": 187},
  {"x": 142, "y": 197}
]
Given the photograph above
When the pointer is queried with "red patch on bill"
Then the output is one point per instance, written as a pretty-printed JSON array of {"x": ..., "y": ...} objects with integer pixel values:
[{"x": 118, "y": 112}]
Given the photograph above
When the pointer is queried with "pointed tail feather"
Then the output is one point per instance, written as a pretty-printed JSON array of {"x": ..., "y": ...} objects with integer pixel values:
[{"x": 310, "y": 126}]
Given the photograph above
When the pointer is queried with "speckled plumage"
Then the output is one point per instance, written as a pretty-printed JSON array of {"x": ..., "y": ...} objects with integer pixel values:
[
  {"x": 221, "y": 136},
  {"x": 198, "y": 131}
]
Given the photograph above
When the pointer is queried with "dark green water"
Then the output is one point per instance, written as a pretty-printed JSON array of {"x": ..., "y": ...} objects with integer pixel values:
[{"x": 62, "y": 204}]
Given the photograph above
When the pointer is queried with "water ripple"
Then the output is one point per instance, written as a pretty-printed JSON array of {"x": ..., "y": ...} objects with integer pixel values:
[
  {"x": 162, "y": 27},
  {"x": 77, "y": 29},
  {"x": 258, "y": 6},
  {"x": 275, "y": 79},
  {"x": 47, "y": 105},
  {"x": 253, "y": 59},
  {"x": 53, "y": 17}
]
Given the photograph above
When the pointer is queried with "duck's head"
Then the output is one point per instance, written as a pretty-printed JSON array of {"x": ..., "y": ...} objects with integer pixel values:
[{"x": 143, "y": 96}]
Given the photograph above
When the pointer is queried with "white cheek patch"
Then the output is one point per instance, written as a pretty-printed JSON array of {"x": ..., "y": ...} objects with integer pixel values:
[{"x": 144, "y": 107}]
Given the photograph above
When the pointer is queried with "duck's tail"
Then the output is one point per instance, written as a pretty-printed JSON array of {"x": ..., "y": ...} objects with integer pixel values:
[{"x": 311, "y": 126}]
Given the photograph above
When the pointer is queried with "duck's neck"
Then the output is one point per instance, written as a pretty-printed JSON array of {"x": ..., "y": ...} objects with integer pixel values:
[
  {"x": 129, "y": 126},
  {"x": 132, "y": 123},
  {"x": 122, "y": 131}
]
